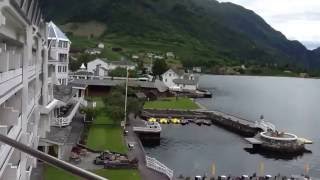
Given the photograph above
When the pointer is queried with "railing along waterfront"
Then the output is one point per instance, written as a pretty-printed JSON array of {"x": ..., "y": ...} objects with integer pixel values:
[{"x": 154, "y": 164}]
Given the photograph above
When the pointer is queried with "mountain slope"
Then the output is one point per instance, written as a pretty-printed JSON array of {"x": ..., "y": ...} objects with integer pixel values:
[{"x": 203, "y": 32}]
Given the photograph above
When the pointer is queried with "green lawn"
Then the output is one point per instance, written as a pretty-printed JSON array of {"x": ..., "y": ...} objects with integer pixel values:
[
  {"x": 104, "y": 134},
  {"x": 106, "y": 137},
  {"x": 52, "y": 173},
  {"x": 121, "y": 174},
  {"x": 172, "y": 103}
]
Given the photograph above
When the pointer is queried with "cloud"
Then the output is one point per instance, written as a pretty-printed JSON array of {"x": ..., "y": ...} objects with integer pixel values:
[{"x": 297, "y": 19}]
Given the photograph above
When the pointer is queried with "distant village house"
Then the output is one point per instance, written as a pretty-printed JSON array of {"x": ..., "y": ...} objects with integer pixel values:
[{"x": 180, "y": 81}]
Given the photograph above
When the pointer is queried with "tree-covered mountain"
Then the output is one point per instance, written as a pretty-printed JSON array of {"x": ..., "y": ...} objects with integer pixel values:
[{"x": 201, "y": 32}]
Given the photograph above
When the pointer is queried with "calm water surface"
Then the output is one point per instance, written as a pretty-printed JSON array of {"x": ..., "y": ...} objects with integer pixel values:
[{"x": 292, "y": 104}]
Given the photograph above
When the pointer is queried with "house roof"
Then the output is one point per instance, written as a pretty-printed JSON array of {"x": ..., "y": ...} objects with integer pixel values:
[
  {"x": 54, "y": 32},
  {"x": 159, "y": 85},
  {"x": 83, "y": 73},
  {"x": 178, "y": 72}
]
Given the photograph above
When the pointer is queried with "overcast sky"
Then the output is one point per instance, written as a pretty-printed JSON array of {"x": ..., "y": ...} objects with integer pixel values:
[{"x": 297, "y": 19}]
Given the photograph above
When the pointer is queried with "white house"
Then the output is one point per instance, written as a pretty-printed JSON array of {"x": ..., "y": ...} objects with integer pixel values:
[
  {"x": 59, "y": 46},
  {"x": 101, "y": 46},
  {"x": 82, "y": 73},
  {"x": 170, "y": 55},
  {"x": 158, "y": 57},
  {"x": 101, "y": 67},
  {"x": 135, "y": 57},
  {"x": 180, "y": 81},
  {"x": 187, "y": 82},
  {"x": 168, "y": 78},
  {"x": 93, "y": 51}
]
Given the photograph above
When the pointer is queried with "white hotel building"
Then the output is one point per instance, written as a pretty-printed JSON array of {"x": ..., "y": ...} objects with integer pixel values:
[
  {"x": 27, "y": 104},
  {"x": 59, "y": 46}
]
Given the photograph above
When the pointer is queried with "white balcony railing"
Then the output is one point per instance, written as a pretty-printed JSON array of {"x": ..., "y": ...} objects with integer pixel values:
[
  {"x": 65, "y": 121},
  {"x": 31, "y": 71},
  {"x": 6, "y": 151},
  {"x": 9, "y": 80},
  {"x": 10, "y": 59}
]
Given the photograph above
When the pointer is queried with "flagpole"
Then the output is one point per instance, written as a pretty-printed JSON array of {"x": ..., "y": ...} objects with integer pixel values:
[{"x": 126, "y": 100}]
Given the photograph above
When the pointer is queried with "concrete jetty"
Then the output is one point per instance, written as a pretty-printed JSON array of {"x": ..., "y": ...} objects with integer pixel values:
[{"x": 232, "y": 123}]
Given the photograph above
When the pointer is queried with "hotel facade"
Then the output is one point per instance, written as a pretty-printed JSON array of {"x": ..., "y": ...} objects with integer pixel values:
[{"x": 27, "y": 105}]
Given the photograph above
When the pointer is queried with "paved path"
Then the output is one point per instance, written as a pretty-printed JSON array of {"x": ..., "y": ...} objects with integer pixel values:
[{"x": 138, "y": 152}]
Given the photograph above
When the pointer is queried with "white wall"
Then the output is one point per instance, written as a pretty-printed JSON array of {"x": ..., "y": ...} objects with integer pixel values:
[
  {"x": 168, "y": 78},
  {"x": 27, "y": 71},
  {"x": 91, "y": 66},
  {"x": 188, "y": 87}
]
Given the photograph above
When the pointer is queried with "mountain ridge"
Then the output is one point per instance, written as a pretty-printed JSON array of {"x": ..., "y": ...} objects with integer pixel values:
[{"x": 203, "y": 31}]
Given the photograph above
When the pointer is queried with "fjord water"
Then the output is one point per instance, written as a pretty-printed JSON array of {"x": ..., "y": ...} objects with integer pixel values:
[{"x": 292, "y": 104}]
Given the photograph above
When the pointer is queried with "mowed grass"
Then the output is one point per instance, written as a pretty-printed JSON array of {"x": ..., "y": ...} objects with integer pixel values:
[
  {"x": 52, "y": 173},
  {"x": 172, "y": 103},
  {"x": 106, "y": 137},
  {"x": 104, "y": 133},
  {"x": 121, "y": 174}
]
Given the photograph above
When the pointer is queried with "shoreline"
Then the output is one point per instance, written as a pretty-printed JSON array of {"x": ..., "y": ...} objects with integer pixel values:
[{"x": 270, "y": 76}]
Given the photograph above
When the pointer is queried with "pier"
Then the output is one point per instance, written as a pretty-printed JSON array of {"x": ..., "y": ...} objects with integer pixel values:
[
  {"x": 262, "y": 135},
  {"x": 149, "y": 167},
  {"x": 148, "y": 132},
  {"x": 235, "y": 124}
]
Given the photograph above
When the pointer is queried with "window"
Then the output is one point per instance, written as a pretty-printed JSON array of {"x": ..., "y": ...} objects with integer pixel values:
[
  {"x": 59, "y": 69},
  {"x": 63, "y": 44},
  {"x": 53, "y": 43},
  {"x": 63, "y": 57},
  {"x": 169, "y": 74},
  {"x": 60, "y": 44},
  {"x": 166, "y": 80}
]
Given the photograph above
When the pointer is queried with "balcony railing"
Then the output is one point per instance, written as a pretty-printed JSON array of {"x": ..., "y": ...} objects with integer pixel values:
[
  {"x": 9, "y": 59},
  {"x": 13, "y": 132},
  {"x": 67, "y": 118}
]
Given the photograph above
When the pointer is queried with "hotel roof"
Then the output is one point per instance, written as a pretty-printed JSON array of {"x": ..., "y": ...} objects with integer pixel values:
[{"x": 54, "y": 32}]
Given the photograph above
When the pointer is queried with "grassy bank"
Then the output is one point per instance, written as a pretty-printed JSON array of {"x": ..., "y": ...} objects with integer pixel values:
[
  {"x": 172, "y": 103},
  {"x": 52, "y": 173}
]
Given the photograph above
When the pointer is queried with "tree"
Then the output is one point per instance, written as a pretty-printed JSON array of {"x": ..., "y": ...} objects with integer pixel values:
[
  {"x": 122, "y": 72},
  {"x": 159, "y": 67},
  {"x": 76, "y": 63},
  {"x": 90, "y": 113},
  {"x": 114, "y": 103}
]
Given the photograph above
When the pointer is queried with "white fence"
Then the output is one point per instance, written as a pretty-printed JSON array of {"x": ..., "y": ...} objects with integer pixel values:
[{"x": 154, "y": 164}]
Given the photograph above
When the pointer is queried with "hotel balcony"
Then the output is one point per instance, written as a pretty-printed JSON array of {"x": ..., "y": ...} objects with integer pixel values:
[
  {"x": 10, "y": 69},
  {"x": 6, "y": 151}
]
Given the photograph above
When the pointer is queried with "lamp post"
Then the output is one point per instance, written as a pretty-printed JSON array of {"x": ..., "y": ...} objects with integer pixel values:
[{"x": 126, "y": 101}]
